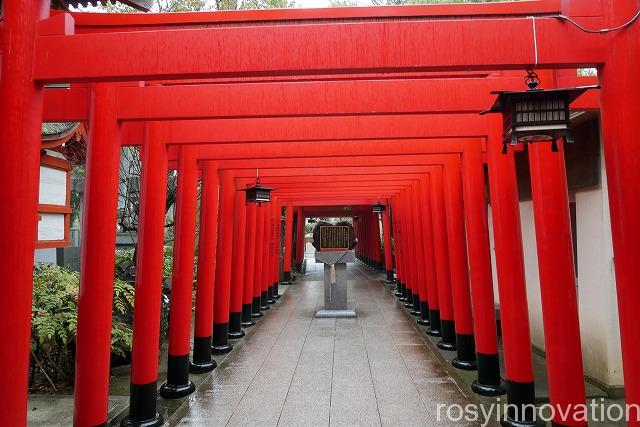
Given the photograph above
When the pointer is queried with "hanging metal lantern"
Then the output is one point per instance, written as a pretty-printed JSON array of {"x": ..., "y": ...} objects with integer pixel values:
[
  {"x": 378, "y": 208},
  {"x": 536, "y": 115},
  {"x": 258, "y": 193}
]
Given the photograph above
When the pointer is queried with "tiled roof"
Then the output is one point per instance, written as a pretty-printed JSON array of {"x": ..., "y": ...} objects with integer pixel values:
[{"x": 57, "y": 130}]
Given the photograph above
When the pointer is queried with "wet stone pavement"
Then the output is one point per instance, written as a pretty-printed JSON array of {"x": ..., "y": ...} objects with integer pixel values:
[{"x": 293, "y": 369}]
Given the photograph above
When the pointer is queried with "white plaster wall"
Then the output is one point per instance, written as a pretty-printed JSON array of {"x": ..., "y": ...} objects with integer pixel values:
[
  {"x": 597, "y": 299},
  {"x": 51, "y": 227},
  {"x": 53, "y": 186},
  {"x": 47, "y": 255}
]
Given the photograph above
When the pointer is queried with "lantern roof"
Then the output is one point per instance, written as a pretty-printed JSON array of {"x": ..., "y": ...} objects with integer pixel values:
[
  {"x": 258, "y": 186},
  {"x": 504, "y": 96}
]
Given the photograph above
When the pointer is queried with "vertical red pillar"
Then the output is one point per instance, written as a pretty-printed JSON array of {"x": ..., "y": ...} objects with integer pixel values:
[
  {"x": 421, "y": 225},
  {"x": 370, "y": 236},
  {"x": 288, "y": 242},
  {"x": 377, "y": 247},
  {"x": 178, "y": 384},
  {"x": 249, "y": 268},
  {"x": 413, "y": 287},
  {"x": 388, "y": 247},
  {"x": 237, "y": 263},
  {"x": 224, "y": 251},
  {"x": 146, "y": 316},
  {"x": 483, "y": 303},
  {"x": 276, "y": 216},
  {"x": 20, "y": 121},
  {"x": 95, "y": 297},
  {"x": 266, "y": 257},
  {"x": 259, "y": 303},
  {"x": 421, "y": 298},
  {"x": 440, "y": 237},
  {"x": 557, "y": 280},
  {"x": 514, "y": 312},
  {"x": 429, "y": 256},
  {"x": 398, "y": 246},
  {"x": 465, "y": 343},
  {"x": 207, "y": 242},
  {"x": 406, "y": 263},
  {"x": 299, "y": 239},
  {"x": 621, "y": 128}
]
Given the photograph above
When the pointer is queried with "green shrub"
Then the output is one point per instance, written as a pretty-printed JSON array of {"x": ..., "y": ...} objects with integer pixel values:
[{"x": 53, "y": 326}]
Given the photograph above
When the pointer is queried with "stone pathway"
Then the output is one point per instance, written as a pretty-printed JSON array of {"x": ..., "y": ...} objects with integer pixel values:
[{"x": 294, "y": 370}]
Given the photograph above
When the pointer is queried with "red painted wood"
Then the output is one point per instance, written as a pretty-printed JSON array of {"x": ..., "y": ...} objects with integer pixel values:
[
  {"x": 249, "y": 251},
  {"x": 224, "y": 251},
  {"x": 367, "y": 47},
  {"x": 95, "y": 297},
  {"x": 557, "y": 281},
  {"x": 183, "y": 251},
  {"x": 477, "y": 228},
  {"x": 441, "y": 246},
  {"x": 20, "y": 116},
  {"x": 207, "y": 245},
  {"x": 146, "y": 320},
  {"x": 507, "y": 233},
  {"x": 620, "y": 131},
  {"x": 238, "y": 260}
]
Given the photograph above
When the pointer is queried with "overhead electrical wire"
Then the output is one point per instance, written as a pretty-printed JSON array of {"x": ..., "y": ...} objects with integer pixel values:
[{"x": 601, "y": 31}]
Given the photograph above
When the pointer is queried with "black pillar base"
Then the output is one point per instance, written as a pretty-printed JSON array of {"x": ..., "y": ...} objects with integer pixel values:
[
  {"x": 489, "y": 382},
  {"x": 507, "y": 422},
  {"x": 415, "y": 312},
  {"x": 424, "y": 314},
  {"x": 264, "y": 301},
  {"x": 466, "y": 349},
  {"x": 236, "y": 335},
  {"x": 488, "y": 390},
  {"x": 142, "y": 407},
  {"x": 255, "y": 308},
  {"x": 286, "y": 278},
  {"x": 408, "y": 298},
  {"x": 156, "y": 421},
  {"x": 235, "y": 326},
  {"x": 202, "y": 367},
  {"x": 270, "y": 298},
  {"x": 170, "y": 391},
  {"x": 202, "y": 361},
  {"x": 398, "y": 292},
  {"x": 178, "y": 384},
  {"x": 448, "y": 334},
  {"x": 245, "y": 320},
  {"x": 416, "y": 302},
  {"x": 389, "y": 276},
  {"x": 276, "y": 295},
  {"x": 221, "y": 349},
  {"x": 220, "y": 344},
  {"x": 521, "y": 411},
  {"x": 433, "y": 332}
]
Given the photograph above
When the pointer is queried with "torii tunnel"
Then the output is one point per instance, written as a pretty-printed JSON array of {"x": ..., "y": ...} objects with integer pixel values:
[{"x": 334, "y": 107}]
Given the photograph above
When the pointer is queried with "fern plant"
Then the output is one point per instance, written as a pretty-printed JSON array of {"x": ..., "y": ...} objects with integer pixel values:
[{"x": 54, "y": 322}]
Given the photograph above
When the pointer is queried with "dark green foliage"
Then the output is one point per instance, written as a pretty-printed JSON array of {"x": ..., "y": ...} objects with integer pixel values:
[{"x": 53, "y": 327}]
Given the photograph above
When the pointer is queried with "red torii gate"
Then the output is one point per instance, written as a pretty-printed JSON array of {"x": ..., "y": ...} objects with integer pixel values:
[{"x": 596, "y": 50}]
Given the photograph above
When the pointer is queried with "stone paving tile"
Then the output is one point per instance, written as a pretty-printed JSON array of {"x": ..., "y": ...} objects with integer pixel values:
[{"x": 295, "y": 370}]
